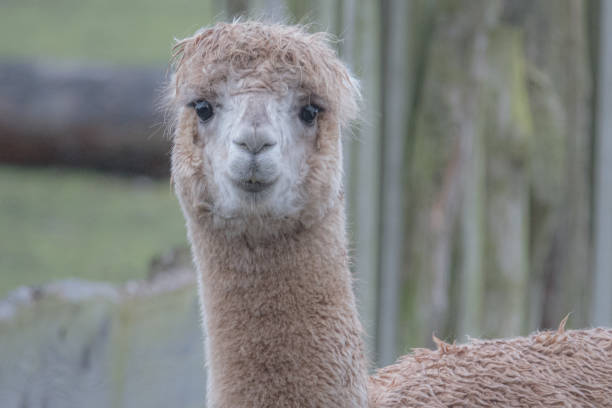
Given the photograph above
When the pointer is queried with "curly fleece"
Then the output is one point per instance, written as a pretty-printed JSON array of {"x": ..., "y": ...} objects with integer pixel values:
[{"x": 547, "y": 369}]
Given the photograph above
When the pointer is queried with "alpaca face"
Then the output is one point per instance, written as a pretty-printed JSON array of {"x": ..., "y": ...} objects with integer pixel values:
[
  {"x": 258, "y": 110},
  {"x": 243, "y": 151},
  {"x": 257, "y": 143}
]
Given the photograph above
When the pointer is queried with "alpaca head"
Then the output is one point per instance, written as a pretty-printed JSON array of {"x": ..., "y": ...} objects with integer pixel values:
[{"x": 258, "y": 111}]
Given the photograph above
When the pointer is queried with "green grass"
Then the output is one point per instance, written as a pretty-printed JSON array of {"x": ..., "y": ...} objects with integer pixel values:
[
  {"x": 57, "y": 224},
  {"x": 132, "y": 31}
]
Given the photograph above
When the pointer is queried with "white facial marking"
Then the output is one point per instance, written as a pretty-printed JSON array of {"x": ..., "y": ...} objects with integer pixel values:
[{"x": 258, "y": 148}]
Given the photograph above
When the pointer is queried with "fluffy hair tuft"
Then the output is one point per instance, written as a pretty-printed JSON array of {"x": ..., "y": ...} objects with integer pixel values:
[{"x": 278, "y": 55}]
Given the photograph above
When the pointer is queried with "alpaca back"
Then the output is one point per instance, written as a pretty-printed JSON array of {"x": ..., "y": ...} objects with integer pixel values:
[{"x": 546, "y": 369}]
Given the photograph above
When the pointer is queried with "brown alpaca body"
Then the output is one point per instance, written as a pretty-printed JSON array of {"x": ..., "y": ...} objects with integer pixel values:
[
  {"x": 549, "y": 369},
  {"x": 280, "y": 319}
]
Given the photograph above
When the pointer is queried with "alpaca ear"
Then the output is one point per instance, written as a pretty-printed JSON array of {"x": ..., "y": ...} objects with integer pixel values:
[
  {"x": 561, "y": 328},
  {"x": 354, "y": 87},
  {"x": 350, "y": 105},
  {"x": 184, "y": 48},
  {"x": 166, "y": 104},
  {"x": 350, "y": 98}
]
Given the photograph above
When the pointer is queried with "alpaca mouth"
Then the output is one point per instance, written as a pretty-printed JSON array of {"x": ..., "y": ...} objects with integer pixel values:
[{"x": 253, "y": 186}]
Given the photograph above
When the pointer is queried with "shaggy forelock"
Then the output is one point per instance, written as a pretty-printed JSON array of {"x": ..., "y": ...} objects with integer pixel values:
[{"x": 277, "y": 55}]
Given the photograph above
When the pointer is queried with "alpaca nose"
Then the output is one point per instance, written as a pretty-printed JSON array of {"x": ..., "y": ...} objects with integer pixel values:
[{"x": 254, "y": 140}]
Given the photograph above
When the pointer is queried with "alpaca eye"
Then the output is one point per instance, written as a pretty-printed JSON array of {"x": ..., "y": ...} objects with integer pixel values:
[
  {"x": 203, "y": 108},
  {"x": 309, "y": 113}
]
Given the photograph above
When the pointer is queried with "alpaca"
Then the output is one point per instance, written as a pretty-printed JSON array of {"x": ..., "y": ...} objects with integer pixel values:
[
  {"x": 256, "y": 114},
  {"x": 549, "y": 369}
]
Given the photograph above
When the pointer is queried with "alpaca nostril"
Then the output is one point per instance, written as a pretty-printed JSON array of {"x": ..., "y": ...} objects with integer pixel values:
[
  {"x": 242, "y": 145},
  {"x": 254, "y": 147},
  {"x": 266, "y": 146}
]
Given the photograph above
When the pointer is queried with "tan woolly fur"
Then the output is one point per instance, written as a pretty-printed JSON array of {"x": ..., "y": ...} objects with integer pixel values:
[
  {"x": 256, "y": 113},
  {"x": 549, "y": 369}
]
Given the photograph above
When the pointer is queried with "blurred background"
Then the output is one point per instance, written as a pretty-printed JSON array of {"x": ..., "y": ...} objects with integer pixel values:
[{"x": 479, "y": 183}]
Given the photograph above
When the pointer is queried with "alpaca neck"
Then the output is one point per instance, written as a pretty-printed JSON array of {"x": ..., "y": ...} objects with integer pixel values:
[{"x": 280, "y": 319}]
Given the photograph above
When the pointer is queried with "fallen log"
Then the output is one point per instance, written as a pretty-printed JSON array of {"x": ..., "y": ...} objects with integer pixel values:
[{"x": 81, "y": 115}]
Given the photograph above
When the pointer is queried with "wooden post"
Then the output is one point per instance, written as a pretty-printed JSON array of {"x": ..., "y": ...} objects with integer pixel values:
[
  {"x": 602, "y": 282},
  {"x": 362, "y": 181},
  {"x": 397, "y": 85}
]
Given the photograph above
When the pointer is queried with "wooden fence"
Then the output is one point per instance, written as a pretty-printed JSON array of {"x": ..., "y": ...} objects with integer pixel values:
[{"x": 479, "y": 181}]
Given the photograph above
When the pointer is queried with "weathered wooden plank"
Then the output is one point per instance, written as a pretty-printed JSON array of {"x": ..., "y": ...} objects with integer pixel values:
[
  {"x": 362, "y": 183},
  {"x": 602, "y": 280},
  {"x": 79, "y": 344},
  {"x": 508, "y": 129},
  {"x": 397, "y": 85},
  {"x": 557, "y": 54},
  {"x": 448, "y": 128}
]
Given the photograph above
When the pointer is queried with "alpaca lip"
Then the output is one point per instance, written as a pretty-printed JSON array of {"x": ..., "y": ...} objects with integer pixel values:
[{"x": 252, "y": 186}]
